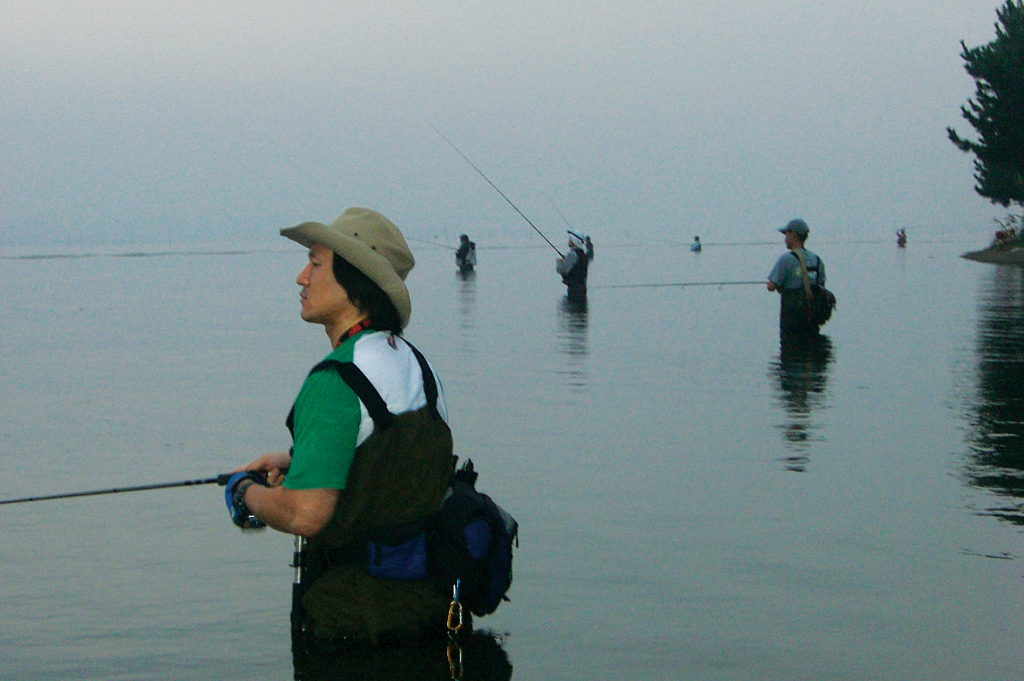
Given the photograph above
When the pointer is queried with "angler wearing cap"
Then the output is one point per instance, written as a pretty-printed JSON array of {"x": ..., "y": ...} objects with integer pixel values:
[
  {"x": 355, "y": 466},
  {"x": 787, "y": 278},
  {"x": 573, "y": 268}
]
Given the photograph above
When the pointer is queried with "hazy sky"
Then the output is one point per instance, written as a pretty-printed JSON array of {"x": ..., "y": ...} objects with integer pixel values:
[{"x": 184, "y": 122}]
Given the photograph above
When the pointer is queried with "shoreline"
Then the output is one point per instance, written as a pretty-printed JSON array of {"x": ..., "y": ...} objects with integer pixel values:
[{"x": 1012, "y": 256}]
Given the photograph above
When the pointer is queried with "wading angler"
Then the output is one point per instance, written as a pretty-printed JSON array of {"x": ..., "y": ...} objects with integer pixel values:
[
  {"x": 371, "y": 470},
  {"x": 799, "y": 278}
]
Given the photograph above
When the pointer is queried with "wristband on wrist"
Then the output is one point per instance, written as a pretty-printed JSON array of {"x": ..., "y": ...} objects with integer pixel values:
[{"x": 238, "y": 499}]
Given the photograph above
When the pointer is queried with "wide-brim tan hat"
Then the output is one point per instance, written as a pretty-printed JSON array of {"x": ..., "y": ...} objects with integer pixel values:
[{"x": 369, "y": 242}]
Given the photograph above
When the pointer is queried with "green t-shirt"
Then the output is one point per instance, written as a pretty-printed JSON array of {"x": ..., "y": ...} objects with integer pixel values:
[
  {"x": 327, "y": 418},
  {"x": 330, "y": 422}
]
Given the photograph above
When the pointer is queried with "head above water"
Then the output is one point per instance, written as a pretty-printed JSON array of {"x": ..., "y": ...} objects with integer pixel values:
[
  {"x": 372, "y": 245},
  {"x": 463, "y": 237}
]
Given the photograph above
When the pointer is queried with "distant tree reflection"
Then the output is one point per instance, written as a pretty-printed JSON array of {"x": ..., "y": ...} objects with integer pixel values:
[
  {"x": 996, "y": 438},
  {"x": 801, "y": 375}
]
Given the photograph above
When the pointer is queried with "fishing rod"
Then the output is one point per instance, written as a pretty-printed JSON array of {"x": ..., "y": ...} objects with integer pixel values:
[
  {"x": 450, "y": 143},
  {"x": 221, "y": 480},
  {"x": 685, "y": 283}
]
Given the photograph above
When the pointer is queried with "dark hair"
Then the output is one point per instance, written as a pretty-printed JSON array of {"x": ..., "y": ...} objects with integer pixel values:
[{"x": 367, "y": 296}]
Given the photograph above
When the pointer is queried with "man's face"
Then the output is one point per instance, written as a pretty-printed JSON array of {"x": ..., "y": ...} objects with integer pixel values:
[
  {"x": 792, "y": 240},
  {"x": 324, "y": 300}
]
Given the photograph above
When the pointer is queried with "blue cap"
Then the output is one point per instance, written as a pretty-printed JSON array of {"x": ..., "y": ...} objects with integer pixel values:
[{"x": 798, "y": 226}]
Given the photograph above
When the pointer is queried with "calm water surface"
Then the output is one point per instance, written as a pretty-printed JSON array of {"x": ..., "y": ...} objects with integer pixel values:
[{"x": 695, "y": 501}]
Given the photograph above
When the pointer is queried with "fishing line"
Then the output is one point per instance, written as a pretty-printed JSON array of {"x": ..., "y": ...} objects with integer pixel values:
[
  {"x": 221, "y": 479},
  {"x": 685, "y": 283},
  {"x": 452, "y": 145},
  {"x": 137, "y": 254},
  {"x": 426, "y": 243},
  {"x": 564, "y": 219}
]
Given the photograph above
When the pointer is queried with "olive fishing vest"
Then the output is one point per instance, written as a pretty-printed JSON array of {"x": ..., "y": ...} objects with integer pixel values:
[{"x": 398, "y": 478}]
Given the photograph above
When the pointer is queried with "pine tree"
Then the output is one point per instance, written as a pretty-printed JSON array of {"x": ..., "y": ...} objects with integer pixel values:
[{"x": 997, "y": 110}]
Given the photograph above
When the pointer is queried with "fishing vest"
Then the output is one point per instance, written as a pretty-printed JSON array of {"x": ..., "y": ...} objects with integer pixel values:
[{"x": 398, "y": 479}]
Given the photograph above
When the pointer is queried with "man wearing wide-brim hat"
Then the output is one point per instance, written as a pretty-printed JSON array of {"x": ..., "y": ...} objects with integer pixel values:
[
  {"x": 787, "y": 277},
  {"x": 350, "y": 469}
]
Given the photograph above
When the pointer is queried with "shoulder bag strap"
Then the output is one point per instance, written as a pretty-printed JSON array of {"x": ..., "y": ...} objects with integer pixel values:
[
  {"x": 429, "y": 383},
  {"x": 803, "y": 273},
  {"x": 364, "y": 390},
  {"x": 368, "y": 395},
  {"x": 807, "y": 286}
]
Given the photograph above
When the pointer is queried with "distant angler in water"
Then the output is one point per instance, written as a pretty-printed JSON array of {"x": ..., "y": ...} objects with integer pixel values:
[
  {"x": 573, "y": 268},
  {"x": 465, "y": 256}
]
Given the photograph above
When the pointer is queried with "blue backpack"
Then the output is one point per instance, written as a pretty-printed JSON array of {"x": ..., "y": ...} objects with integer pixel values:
[{"x": 471, "y": 540}]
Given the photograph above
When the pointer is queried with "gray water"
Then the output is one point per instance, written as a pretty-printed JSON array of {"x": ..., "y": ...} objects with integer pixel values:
[{"x": 693, "y": 503}]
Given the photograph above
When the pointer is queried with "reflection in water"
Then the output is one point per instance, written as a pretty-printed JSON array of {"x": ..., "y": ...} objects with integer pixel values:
[
  {"x": 572, "y": 341},
  {"x": 802, "y": 374},
  {"x": 467, "y": 311},
  {"x": 477, "y": 656},
  {"x": 996, "y": 438}
]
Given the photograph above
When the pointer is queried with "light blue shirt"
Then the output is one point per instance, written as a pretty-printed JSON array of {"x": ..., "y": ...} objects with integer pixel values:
[{"x": 786, "y": 273}]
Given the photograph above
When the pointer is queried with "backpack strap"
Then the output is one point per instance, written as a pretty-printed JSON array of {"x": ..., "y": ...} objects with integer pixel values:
[
  {"x": 429, "y": 382},
  {"x": 369, "y": 396},
  {"x": 364, "y": 390},
  {"x": 803, "y": 273},
  {"x": 807, "y": 285},
  {"x": 813, "y": 268}
]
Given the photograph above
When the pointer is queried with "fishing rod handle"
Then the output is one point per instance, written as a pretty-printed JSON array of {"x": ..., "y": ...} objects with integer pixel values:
[{"x": 223, "y": 478}]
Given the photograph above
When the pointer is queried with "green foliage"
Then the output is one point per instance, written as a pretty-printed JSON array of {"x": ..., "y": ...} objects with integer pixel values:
[
  {"x": 1010, "y": 234},
  {"x": 997, "y": 109}
]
